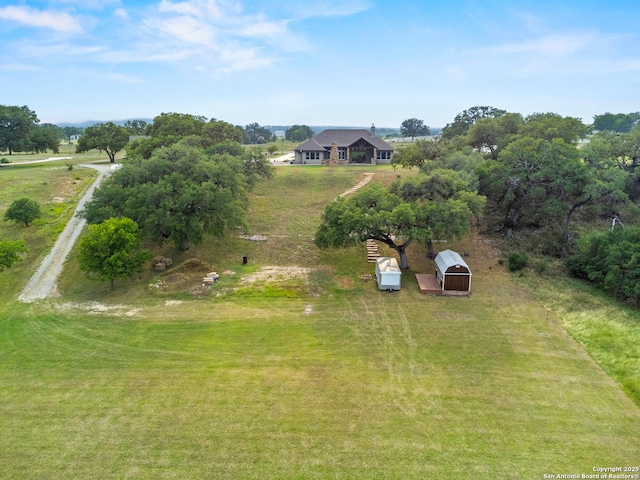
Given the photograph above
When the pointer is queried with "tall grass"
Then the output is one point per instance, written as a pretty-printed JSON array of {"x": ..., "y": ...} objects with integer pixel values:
[{"x": 608, "y": 330}]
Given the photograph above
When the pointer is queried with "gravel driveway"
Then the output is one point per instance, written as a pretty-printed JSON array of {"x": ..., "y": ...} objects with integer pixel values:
[{"x": 43, "y": 282}]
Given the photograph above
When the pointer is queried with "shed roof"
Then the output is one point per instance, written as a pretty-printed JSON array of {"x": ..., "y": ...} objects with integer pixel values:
[{"x": 449, "y": 258}]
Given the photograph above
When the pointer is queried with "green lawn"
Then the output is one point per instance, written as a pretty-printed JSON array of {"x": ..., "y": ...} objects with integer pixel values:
[{"x": 318, "y": 377}]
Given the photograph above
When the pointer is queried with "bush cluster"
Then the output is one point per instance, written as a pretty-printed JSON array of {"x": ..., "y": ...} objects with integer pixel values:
[
  {"x": 610, "y": 260},
  {"x": 517, "y": 261}
]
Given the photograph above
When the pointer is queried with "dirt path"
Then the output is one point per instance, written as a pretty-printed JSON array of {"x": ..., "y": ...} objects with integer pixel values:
[
  {"x": 42, "y": 283},
  {"x": 359, "y": 185}
]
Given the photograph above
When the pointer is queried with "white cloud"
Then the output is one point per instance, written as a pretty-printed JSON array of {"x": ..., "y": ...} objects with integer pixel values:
[
  {"x": 122, "y": 14},
  {"x": 567, "y": 52},
  {"x": 121, "y": 78},
  {"x": 186, "y": 30},
  {"x": 219, "y": 36},
  {"x": 214, "y": 36},
  {"x": 58, "y": 21},
  {"x": 555, "y": 44},
  {"x": 19, "y": 67},
  {"x": 88, "y": 4},
  {"x": 329, "y": 8},
  {"x": 265, "y": 29}
]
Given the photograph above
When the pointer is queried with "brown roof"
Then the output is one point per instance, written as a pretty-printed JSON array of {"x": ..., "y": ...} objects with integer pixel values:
[{"x": 344, "y": 138}]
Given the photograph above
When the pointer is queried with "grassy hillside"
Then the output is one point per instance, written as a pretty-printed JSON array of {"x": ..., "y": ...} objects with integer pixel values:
[{"x": 306, "y": 372}]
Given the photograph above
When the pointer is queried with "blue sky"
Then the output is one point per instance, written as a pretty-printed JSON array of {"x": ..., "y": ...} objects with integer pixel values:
[{"x": 318, "y": 62}]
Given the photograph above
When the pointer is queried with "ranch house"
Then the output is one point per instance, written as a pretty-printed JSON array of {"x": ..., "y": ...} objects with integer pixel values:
[{"x": 344, "y": 147}]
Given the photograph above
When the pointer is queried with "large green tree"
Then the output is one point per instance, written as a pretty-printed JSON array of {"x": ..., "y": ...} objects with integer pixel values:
[
  {"x": 536, "y": 182},
  {"x": 169, "y": 128},
  {"x": 174, "y": 126},
  {"x": 106, "y": 137},
  {"x": 616, "y": 122},
  {"x": 413, "y": 127},
  {"x": 216, "y": 132},
  {"x": 298, "y": 133},
  {"x": 549, "y": 126},
  {"x": 256, "y": 134},
  {"x": 10, "y": 252},
  {"x": 16, "y": 127},
  {"x": 112, "y": 249},
  {"x": 46, "y": 137},
  {"x": 398, "y": 218},
  {"x": 70, "y": 131},
  {"x": 180, "y": 194},
  {"x": 136, "y": 127},
  {"x": 24, "y": 210},
  {"x": 421, "y": 153},
  {"x": 463, "y": 121}
]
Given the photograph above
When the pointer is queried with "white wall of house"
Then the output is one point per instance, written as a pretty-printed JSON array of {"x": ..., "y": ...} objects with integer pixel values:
[{"x": 380, "y": 159}]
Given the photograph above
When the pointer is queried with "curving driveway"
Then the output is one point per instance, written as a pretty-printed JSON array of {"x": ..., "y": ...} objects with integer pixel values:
[{"x": 43, "y": 282}]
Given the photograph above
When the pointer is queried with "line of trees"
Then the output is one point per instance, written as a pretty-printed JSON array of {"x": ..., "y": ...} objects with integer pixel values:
[{"x": 21, "y": 131}]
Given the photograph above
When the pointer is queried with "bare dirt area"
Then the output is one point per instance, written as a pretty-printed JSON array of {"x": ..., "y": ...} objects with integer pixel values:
[
  {"x": 276, "y": 274},
  {"x": 97, "y": 308}
]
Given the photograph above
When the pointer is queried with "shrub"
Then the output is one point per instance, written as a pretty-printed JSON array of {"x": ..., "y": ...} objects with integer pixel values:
[
  {"x": 517, "y": 261},
  {"x": 542, "y": 266},
  {"x": 4, "y": 160}
]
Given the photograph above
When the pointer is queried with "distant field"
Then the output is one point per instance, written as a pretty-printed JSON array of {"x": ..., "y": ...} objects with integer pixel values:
[{"x": 312, "y": 374}]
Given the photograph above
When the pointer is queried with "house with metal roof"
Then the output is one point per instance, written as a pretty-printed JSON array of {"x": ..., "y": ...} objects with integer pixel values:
[{"x": 344, "y": 147}]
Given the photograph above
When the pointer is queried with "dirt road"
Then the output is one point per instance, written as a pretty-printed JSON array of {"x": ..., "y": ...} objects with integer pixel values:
[{"x": 43, "y": 282}]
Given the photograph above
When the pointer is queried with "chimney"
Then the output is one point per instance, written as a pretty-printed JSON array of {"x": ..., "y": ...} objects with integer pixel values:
[{"x": 373, "y": 130}]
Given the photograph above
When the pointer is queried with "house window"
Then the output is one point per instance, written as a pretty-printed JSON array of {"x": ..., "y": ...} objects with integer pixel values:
[
  {"x": 342, "y": 153},
  {"x": 312, "y": 155},
  {"x": 383, "y": 155}
]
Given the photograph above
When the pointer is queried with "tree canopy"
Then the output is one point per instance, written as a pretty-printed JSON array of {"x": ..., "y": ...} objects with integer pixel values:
[
  {"x": 180, "y": 193},
  {"x": 426, "y": 208},
  {"x": 10, "y": 252},
  {"x": 24, "y": 210},
  {"x": 112, "y": 249},
  {"x": 256, "y": 134},
  {"x": 298, "y": 133},
  {"x": 46, "y": 137},
  {"x": 412, "y": 127},
  {"x": 616, "y": 122},
  {"x": 16, "y": 127},
  {"x": 463, "y": 121},
  {"x": 136, "y": 127},
  {"x": 106, "y": 137},
  {"x": 611, "y": 261}
]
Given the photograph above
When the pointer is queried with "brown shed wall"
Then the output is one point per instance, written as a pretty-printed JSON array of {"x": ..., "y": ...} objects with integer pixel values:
[{"x": 456, "y": 282}]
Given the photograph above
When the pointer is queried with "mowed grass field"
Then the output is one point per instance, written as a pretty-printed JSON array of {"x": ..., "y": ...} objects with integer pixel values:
[{"x": 309, "y": 373}]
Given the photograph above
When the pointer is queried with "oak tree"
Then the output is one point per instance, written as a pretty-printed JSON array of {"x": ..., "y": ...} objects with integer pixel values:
[
  {"x": 413, "y": 127},
  {"x": 107, "y": 137},
  {"x": 24, "y": 210},
  {"x": 112, "y": 249},
  {"x": 10, "y": 252}
]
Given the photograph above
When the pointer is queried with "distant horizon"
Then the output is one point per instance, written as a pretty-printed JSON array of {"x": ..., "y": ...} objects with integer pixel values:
[{"x": 268, "y": 125}]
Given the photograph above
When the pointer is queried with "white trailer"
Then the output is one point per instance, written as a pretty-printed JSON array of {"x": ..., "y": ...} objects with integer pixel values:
[{"x": 388, "y": 273}]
